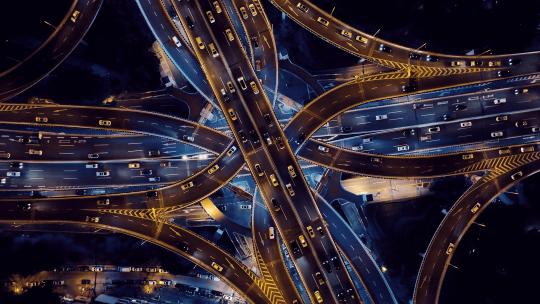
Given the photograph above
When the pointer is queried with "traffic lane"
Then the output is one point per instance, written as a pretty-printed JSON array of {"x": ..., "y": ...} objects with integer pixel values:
[
  {"x": 172, "y": 237},
  {"x": 448, "y": 133},
  {"x": 270, "y": 250},
  {"x": 182, "y": 57},
  {"x": 52, "y": 52},
  {"x": 223, "y": 51},
  {"x": 73, "y": 147},
  {"x": 356, "y": 93},
  {"x": 180, "y": 194},
  {"x": 410, "y": 166},
  {"x": 358, "y": 254},
  {"x": 330, "y": 29},
  {"x": 495, "y": 97},
  {"x": 455, "y": 225},
  {"x": 118, "y": 120},
  {"x": 37, "y": 175},
  {"x": 262, "y": 44}
]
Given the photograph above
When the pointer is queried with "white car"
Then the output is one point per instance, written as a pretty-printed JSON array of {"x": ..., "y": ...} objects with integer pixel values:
[
  {"x": 231, "y": 151},
  {"x": 497, "y": 134},
  {"x": 176, "y": 41},
  {"x": 323, "y": 149},
  {"x": 516, "y": 175},
  {"x": 103, "y": 173},
  {"x": 499, "y": 101},
  {"x": 466, "y": 124},
  {"x": 434, "y": 130},
  {"x": 92, "y": 166},
  {"x": 381, "y": 117},
  {"x": 401, "y": 148},
  {"x": 13, "y": 174},
  {"x": 290, "y": 189},
  {"x": 357, "y": 148}
]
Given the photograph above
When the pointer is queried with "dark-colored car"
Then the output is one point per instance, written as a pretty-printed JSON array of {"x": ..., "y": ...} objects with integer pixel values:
[
  {"x": 346, "y": 129},
  {"x": 268, "y": 119},
  {"x": 189, "y": 22},
  {"x": 430, "y": 58},
  {"x": 297, "y": 253},
  {"x": 514, "y": 61},
  {"x": 16, "y": 165},
  {"x": 460, "y": 107},
  {"x": 25, "y": 206},
  {"x": 255, "y": 41},
  {"x": 301, "y": 138},
  {"x": 411, "y": 87},
  {"x": 242, "y": 135},
  {"x": 254, "y": 136},
  {"x": 152, "y": 194},
  {"x": 385, "y": 48},
  {"x": 414, "y": 56},
  {"x": 336, "y": 263},
  {"x": 327, "y": 266},
  {"x": 409, "y": 132},
  {"x": 275, "y": 205},
  {"x": 503, "y": 73}
]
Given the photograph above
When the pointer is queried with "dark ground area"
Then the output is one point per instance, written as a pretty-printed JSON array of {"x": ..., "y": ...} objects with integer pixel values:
[
  {"x": 22, "y": 29},
  {"x": 447, "y": 26},
  {"x": 114, "y": 57}
]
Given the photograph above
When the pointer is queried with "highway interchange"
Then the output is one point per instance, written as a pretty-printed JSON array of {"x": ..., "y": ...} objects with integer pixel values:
[{"x": 415, "y": 122}]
